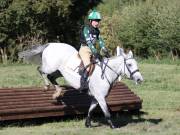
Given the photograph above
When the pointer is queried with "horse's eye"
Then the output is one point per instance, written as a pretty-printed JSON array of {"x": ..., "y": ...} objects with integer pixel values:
[{"x": 129, "y": 65}]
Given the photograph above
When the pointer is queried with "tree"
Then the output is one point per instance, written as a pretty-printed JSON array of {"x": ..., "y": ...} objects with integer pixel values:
[{"x": 28, "y": 22}]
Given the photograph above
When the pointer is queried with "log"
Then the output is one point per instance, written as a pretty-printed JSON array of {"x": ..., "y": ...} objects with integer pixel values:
[{"x": 32, "y": 102}]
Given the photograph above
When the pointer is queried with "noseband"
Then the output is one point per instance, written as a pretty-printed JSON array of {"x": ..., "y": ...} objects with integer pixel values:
[{"x": 131, "y": 73}]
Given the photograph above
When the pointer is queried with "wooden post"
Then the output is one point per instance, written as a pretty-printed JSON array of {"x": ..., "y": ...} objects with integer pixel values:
[{"x": 3, "y": 55}]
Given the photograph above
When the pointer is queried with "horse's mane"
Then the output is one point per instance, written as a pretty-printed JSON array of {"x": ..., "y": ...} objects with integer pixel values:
[{"x": 112, "y": 58}]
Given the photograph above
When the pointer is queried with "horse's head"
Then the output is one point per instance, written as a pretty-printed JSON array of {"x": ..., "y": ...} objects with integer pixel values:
[{"x": 130, "y": 66}]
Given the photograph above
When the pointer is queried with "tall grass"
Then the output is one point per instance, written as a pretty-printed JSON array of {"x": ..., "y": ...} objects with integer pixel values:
[{"x": 152, "y": 60}]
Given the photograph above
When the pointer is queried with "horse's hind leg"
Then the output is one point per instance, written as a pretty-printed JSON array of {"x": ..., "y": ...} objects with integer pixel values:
[
  {"x": 103, "y": 105},
  {"x": 52, "y": 78},
  {"x": 44, "y": 76},
  {"x": 93, "y": 105}
]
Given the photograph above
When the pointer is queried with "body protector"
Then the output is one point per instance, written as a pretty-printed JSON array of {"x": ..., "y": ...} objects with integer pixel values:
[{"x": 90, "y": 36}]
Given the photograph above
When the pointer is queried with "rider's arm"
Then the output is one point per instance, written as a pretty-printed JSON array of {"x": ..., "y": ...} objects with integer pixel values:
[
  {"x": 103, "y": 48},
  {"x": 101, "y": 42},
  {"x": 88, "y": 40}
]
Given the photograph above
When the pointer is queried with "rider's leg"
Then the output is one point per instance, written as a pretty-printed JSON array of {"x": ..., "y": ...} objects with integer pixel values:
[
  {"x": 84, "y": 77},
  {"x": 85, "y": 54}
]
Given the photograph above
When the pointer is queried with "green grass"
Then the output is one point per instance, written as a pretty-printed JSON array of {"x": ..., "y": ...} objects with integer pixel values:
[
  {"x": 161, "y": 86},
  {"x": 161, "y": 105},
  {"x": 165, "y": 60},
  {"x": 20, "y": 75}
]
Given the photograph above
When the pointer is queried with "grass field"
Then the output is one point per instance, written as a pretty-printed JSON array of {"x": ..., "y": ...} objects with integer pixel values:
[{"x": 160, "y": 114}]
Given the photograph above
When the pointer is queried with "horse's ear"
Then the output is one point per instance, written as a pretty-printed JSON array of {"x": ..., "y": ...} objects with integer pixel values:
[
  {"x": 119, "y": 51},
  {"x": 130, "y": 54}
]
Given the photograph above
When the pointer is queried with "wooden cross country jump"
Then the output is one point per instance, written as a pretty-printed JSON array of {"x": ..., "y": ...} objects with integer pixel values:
[{"x": 24, "y": 103}]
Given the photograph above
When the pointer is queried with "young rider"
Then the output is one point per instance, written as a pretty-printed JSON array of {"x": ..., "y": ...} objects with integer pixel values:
[{"x": 90, "y": 35}]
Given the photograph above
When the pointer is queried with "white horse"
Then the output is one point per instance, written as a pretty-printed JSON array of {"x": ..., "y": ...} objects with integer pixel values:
[{"x": 60, "y": 59}]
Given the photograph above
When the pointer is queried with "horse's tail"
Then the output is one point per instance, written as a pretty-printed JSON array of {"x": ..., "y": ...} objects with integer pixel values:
[{"x": 33, "y": 55}]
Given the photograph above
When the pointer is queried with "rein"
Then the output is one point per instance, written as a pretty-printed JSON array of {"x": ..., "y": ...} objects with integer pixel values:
[
  {"x": 106, "y": 65},
  {"x": 118, "y": 74}
]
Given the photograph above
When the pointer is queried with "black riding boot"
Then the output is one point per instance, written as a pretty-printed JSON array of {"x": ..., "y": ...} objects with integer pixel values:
[{"x": 83, "y": 80}]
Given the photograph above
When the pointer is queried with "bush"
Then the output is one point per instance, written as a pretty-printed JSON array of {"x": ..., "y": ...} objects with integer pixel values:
[
  {"x": 28, "y": 22},
  {"x": 150, "y": 28}
]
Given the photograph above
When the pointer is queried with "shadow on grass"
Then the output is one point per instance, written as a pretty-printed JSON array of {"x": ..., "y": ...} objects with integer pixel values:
[
  {"x": 120, "y": 119},
  {"x": 124, "y": 118}
]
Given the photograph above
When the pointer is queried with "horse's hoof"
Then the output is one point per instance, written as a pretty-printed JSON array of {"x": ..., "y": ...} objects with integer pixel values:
[
  {"x": 88, "y": 123},
  {"x": 46, "y": 87},
  {"x": 88, "y": 126},
  {"x": 113, "y": 127},
  {"x": 57, "y": 94}
]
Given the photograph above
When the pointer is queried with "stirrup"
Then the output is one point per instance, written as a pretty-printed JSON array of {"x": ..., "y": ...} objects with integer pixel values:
[
  {"x": 83, "y": 89},
  {"x": 83, "y": 85}
]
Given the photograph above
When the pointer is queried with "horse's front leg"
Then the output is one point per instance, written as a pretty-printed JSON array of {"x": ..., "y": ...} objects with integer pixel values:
[
  {"x": 93, "y": 105},
  {"x": 44, "y": 76},
  {"x": 58, "y": 92},
  {"x": 103, "y": 105},
  {"x": 52, "y": 78}
]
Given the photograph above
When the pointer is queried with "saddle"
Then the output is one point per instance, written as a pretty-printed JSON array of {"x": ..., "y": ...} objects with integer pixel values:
[
  {"x": 75, "y": 64},
  {"x": 82, "y": 67}
]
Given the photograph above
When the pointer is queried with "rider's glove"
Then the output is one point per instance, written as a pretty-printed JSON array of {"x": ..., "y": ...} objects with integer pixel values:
[
  {"x": 97, "y": 56},
  {"x": 105, "y": 51}
]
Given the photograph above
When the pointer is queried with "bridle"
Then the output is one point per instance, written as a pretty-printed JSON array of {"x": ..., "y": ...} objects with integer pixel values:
[
  {"x": 131, "y": 73},
  {"x": 118, "y": 74}
]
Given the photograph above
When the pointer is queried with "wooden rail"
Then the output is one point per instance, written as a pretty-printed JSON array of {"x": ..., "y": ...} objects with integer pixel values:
[{"x": 24, "y": 103}]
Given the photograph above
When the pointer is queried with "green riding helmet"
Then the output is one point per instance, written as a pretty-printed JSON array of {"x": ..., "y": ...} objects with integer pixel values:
[{"x": 94, "y": 15}]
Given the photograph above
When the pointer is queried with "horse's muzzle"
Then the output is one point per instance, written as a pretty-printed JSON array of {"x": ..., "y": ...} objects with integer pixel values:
[{"x": 139, "y": 81}]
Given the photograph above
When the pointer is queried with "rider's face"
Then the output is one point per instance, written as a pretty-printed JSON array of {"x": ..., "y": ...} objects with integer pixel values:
[{"x": 95, "y": 23}]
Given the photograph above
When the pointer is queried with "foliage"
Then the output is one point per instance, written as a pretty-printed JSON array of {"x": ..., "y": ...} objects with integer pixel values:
[
  {"x": 110, "y": 12},
  {"x": 150, "y": 28},
  {"x": 109, "y": 32},
  {"x": 28, "y": 22}
]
